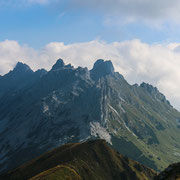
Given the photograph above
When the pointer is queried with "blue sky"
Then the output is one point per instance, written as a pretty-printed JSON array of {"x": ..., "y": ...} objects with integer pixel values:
[{"x": 37, "y": 23}]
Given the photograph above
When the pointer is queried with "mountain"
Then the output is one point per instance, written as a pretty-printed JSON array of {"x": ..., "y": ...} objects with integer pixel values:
[
  {"x": 42, "y": 110},
  {"x": 21, "y": 76},
  {"x": 170, "y": 173},
  {"x": 89, "y": 160}
]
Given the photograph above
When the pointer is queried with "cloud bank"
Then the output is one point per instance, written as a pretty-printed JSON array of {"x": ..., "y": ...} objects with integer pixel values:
[{"x": 157, "y": 64}]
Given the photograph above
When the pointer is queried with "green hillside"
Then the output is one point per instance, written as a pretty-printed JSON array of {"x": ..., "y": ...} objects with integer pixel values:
[{"x": 93, "y": 160}]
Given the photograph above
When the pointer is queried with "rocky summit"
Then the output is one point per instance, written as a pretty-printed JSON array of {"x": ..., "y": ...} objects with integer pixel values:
[{"x": 42, "y": 110}]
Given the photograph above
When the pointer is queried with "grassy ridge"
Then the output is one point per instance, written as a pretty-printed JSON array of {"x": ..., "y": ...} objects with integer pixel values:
[
  {"x": 90, "y": 160},
  {"x": 142, "y": 118},
  {"x": 58, "y": 173}
]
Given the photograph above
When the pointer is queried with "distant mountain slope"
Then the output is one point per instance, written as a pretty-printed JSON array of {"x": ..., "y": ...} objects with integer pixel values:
[
  {"x": 42, "y": 110},
  {"x": 90, "y": 160},
  {"x": 19, "y": 78}
]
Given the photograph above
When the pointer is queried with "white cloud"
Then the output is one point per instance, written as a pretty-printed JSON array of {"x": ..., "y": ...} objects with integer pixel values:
[{"x": 157, "y": 64}]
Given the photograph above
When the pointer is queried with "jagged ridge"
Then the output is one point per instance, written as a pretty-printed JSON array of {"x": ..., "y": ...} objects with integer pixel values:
[{"x": 43, "y": 110}]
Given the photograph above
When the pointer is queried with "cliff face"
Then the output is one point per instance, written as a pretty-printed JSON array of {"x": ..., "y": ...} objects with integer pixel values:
[{"x": 42, "y": 110}]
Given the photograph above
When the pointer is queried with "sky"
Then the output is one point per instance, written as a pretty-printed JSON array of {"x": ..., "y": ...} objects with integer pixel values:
[{"x": 141, "y": 37}]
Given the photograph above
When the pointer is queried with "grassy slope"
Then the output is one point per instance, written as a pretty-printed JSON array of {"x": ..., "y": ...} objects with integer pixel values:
[
  {"x": 58, "y": 173},
  {"x": 153, "y": 121},
  {"x": 90, "y": 160}
]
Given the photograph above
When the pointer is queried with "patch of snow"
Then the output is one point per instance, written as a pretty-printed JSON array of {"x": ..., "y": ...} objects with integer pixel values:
[
  {"x": 54, "y": 97},
  {"x": 123, "y": 121},
  {"x": 114, "y": 131},
  {"x": 114, "y": 110},
  {"x": 45, "y": 108},
  {"x": 177, "y": 154},
  {"x": 145, "y": 109},
  {"x": 129, "y": 129},
  {"x": 98, "y": 130},
  {"x": 121, "y": 99},
  {"x": 122, "y": 109}
]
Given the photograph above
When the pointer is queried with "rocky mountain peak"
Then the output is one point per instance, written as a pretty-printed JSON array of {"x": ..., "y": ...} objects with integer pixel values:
[
  {"x": 154, "y": 92},
  {"x": 21, "y": 67},
  {"x": 72, "y": 105},
  {"x": 41, "y": 72},
  {"x": 102, "y": 68},
  {"x": 149, "y": 88},
  {"x": 59, "y": 64}
]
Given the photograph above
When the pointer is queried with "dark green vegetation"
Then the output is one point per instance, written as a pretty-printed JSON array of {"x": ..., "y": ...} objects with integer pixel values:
[
  {"x": 42, "y": 110},
  {"x": 170, "y": 173},
  {"x": 93, "y": 160}
]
